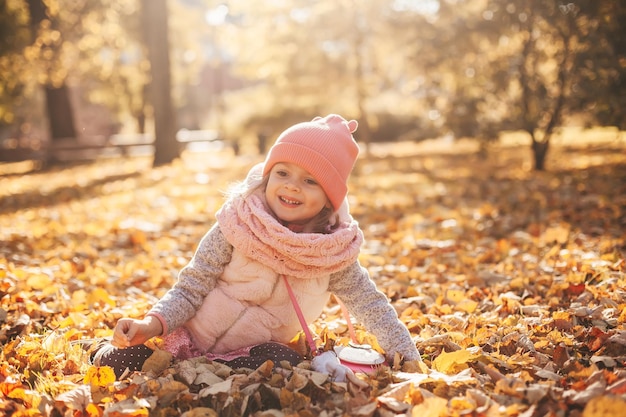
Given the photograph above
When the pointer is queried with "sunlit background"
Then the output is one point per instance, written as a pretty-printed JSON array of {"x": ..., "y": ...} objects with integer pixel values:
[
  {"x": 511, "y": 281},
  {"x": 244, "y": 70}
]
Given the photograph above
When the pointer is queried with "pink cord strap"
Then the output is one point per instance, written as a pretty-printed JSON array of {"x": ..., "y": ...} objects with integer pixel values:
[
  {"x": 305, "y": 326},
  {"x": 348, "y": 319},
  {"x": 303, "y": 323}
]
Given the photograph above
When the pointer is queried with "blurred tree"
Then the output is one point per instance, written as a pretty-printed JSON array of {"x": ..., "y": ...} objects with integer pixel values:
[
  {"x": 600, "y": 90},
  {"x": 156, "y": 31},
  {"x": 551, "y": 35},
  {"x": 541, "y": 66},
  {"x": 473, "y": 73},
  {"x": 280, "y": 48},
  {"x": 44, "y": 52},
  {"x": 310, "y": 58},
  {"x": 499, "y": 65},
  {"x": 114, "y": 69},
  {"x": 444, "y": 69},
  {"x": 405, "y": 69},
  {"x": 48, "y": 39},
  {"x": 15, "y": 35},
  {"x": 97, "y": 45},
  {"x": 189, "y": 62}
]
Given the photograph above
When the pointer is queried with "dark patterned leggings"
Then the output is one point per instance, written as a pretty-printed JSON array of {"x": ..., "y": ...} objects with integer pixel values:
[{"x": 133, "y": 358}]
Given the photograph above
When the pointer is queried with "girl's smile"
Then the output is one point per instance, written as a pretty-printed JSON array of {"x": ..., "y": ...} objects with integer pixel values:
[
  {"x": 289, "y": 202},
  {"x": 293, "y": 195}
]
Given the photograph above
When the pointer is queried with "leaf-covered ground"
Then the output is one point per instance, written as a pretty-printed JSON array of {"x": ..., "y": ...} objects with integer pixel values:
[{"x": 512, "y": 283}]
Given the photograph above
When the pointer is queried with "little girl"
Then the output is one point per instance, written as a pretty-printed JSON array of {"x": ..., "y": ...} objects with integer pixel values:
[{"x": 289, "y": 220}]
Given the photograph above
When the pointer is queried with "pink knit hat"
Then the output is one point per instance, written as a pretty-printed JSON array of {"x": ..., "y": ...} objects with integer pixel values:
[{"x": 324, "y": 147}]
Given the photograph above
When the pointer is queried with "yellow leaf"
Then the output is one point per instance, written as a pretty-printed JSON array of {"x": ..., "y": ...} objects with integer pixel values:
[
  {"x": 453, "y": 362},
  {"x": 462, "y": 404},
  {"x": 79, "y": 298},
  {"x": 27, "y": 348},
  {"x": 455, "y": 296},
  {"x": 468, "y": 306},
  {"x": 28, "y": 397},
  {"x": 39, "y": 281},
  {"x": 200, "y": 412},
  {"x": 431, "y": 407},
  {"x": 72, "y": 334},
  {"x": 93, "y": 410},
  {"x": 559, "y": 234},
  {"x": 101, "y": 297},
  {"x": 99, "y": 376},
  {"x": 414, "y": 395},
  {"x": 31, "y": 412},
  {"x": 604, "y": 406},
  {"x": 66, "y": 322}
]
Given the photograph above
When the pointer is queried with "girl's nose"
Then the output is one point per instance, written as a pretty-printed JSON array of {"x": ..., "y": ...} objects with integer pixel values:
[{"x": 291, "y": 185}]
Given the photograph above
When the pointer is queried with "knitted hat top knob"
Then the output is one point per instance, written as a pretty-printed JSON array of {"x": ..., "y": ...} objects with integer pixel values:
[{"x": 324, "y": 147}]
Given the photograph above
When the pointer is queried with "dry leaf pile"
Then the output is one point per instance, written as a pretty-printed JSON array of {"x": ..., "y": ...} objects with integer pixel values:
[{"x": 511, "y": 282}]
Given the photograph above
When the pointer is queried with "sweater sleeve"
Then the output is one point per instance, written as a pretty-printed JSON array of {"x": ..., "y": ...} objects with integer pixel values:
[
  {"x": 371, "y": 307},
  {"x": 195, "y": 281}
]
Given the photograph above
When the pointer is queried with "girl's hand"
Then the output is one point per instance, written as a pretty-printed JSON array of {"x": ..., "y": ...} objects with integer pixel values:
[
  {"x": 131, "y": 332},
  {"x": 329, "y": 363}
]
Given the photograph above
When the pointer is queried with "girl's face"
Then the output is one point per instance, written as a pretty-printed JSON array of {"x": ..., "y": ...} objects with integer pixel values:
[{"x": 293, "y": 194}]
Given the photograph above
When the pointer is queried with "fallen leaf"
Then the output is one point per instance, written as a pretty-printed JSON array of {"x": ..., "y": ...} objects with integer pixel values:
[
  {"x": 159, "y": 361},
  {"x": 99, "y": 376},
  {"x": 431, "y": 407},
  {"x": 454, "y": 362},
  {"x": 605, "y": 405},
  {"x": 510, "y": 283},
  {"x": 77, "y": 399},
  {"x": 200, "y": 412}
]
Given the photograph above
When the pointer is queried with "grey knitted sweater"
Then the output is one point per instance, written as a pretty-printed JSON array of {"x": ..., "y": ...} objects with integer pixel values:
[{"x": 352, "y": 285}]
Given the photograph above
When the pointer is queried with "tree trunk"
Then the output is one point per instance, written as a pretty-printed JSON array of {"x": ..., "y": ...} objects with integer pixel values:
[
  {"x": 155, "y": 27},
  {"x": 540, "y": 150},
  {"x": 141, "y": 122},
  {"x": 60, "y": 113},
  {"x": 58, "y": 104}
]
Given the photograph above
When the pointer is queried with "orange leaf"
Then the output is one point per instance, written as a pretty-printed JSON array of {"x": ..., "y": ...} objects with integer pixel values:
[
  {"x": 39, "y": 281},
  {"x": 576, "y": 289},
  {"x": 9, "y": 385},
  {"x": 453, "y": 362},
  {"x": 604, "y": 406},
  {"x": 93, "y": 410},
  {"x": 431, "y": 407},
  {"x": 101, "y": 297},
  {"x": 99, "y": 376},
  {"x": 618, "y": 387},
  {"x": 28, "y": 397}
]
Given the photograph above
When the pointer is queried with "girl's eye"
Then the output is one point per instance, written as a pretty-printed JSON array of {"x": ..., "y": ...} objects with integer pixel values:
[
  {"x": 311, "y": 181},
  {"x": 281, "y": 173}
]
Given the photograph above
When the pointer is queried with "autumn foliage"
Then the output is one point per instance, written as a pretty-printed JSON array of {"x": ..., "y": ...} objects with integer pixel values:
[{"x": 511, "y": 282}]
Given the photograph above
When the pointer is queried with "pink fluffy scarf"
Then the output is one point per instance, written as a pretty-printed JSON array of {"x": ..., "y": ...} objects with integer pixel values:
[{"x": 250, "y": 228}]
